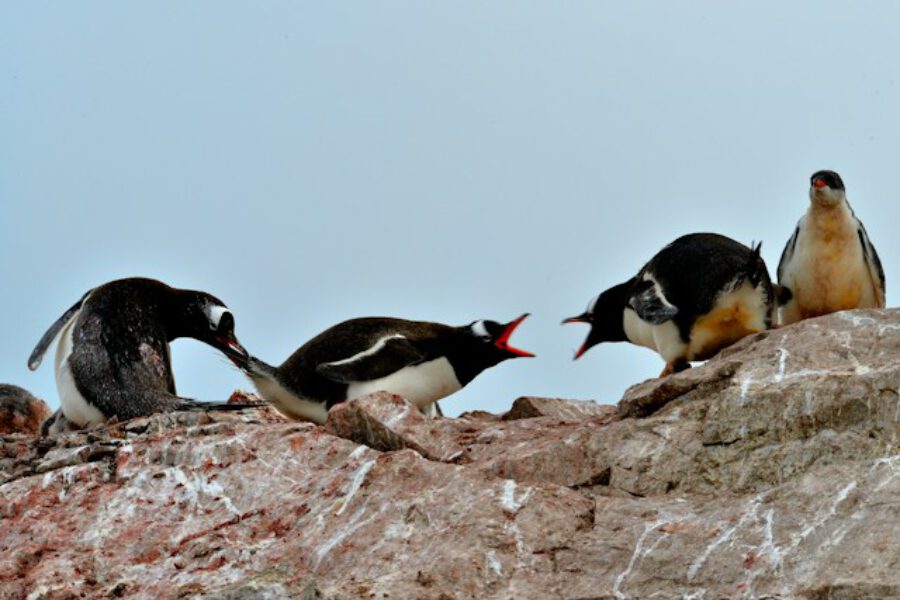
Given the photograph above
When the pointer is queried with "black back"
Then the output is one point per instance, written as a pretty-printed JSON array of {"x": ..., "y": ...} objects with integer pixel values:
[
  {"x": 120, "y": 358},
  {"x": 695, "y": 268},
  {"x": 309, "y": 371}
]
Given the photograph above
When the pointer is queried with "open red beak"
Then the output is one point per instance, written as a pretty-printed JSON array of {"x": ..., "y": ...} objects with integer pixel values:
[
  {"x": 503, "y": 341},
  {"x": 233, "y": 350},
  {"x": 818, "y": 183},
  {"x": 578, "y": 319},
  {"x": 580, "y": 351},
  {"x": 582, "y": 318}
]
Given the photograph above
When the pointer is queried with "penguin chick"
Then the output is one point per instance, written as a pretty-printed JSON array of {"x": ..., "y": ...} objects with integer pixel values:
[
  {"x": 699, "y": 294},
  {"x": 420, "y": 361},
  {"x": 829, "y": 263},
  {"x": 113, "y": 358}
]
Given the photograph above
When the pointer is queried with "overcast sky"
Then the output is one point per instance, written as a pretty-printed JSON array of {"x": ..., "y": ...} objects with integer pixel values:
[{"x": 309, "y": 162}]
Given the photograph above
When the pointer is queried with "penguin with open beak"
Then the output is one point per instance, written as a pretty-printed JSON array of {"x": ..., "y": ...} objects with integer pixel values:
[
  {"x": 829, "y": 263},
  {"x": 699, "y": 294},
  {"x": 418, "y": 360}
]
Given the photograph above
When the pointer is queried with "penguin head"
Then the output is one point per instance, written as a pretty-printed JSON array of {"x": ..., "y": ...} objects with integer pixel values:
[
  {"x": 826, "y": 188},
  {"x": 492, "y": 339},
  {"x": 206, "y": 318},
  {"x": 604, "y": 314}
]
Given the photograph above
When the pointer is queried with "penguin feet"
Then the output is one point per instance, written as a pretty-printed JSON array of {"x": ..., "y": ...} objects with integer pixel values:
[{"x": 676, "y": 366}]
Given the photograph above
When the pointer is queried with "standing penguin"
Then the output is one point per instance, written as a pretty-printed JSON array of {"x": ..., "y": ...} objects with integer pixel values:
[
  {"x": 420, "y": 361},
  {"x": 829, "y": 264},
  {"x": 113, "y": 359},
  {"x": 699, "y": 294}
]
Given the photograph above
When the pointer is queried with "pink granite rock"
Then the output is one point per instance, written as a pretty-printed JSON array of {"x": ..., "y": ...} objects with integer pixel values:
[{"x": 772, "y": 471}]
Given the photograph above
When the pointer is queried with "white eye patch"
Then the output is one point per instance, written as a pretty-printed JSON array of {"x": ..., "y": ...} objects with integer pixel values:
[
  {"x": 479, "y": 330},
  {"x": 592, "y": 305},
  {"x": 214, "y": 314}
]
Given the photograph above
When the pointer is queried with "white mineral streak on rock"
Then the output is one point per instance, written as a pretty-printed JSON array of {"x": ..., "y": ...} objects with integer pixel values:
[
  {"x": 392, "y": 422},
  {"x": 508, "y": 499},
  {"x": 196, "y": 484},
  {"x": 493, "y": 564},
  {"x": 358, "y": 477},
  {"x": 639, "y": 553},
  {"x": 782, "y": 364},
  {"x": 727, "y": 534}
]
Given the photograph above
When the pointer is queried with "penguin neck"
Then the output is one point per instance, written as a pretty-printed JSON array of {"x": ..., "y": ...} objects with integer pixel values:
[
  {"x": 830, "y": 217},
  {"x": 615, "y": 303},
  {"x": 179, "y": 311},
  {"x": 469, "y": 356}
]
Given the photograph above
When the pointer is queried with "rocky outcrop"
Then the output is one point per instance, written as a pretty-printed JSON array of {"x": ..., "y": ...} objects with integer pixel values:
[
  {"x": 20, "y": 411},
  {"x": 771, "y": 471}
]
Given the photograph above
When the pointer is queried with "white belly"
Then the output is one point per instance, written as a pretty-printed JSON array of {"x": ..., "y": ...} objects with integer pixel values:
[
  {"x": 73, "y": 405},
  {"x": 289, "y": 404},
  {"x": 421, "y": 384},
  {"x": 663, "y": 338},
  {"x": 828, "y": 271}
]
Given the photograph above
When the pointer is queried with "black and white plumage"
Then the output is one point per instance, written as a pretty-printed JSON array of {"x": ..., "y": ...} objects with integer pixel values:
[
  {"x": 113, "y": 359},
  {"x": 829, "y": 263},
  {"x": 420, "y": 361},
  {"x": 700, "y": 293}
]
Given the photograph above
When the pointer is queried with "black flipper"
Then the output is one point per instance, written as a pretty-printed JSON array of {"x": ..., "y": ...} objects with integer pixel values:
[
  {"x": 387, "y": 356},
  {"x": 873, "y": 262},
  {"x": 37, "y": 355},
  {"x": 187, "y": 404},
  {"x": 650, "y": 306},
  {"x": 787, "y": 254}
]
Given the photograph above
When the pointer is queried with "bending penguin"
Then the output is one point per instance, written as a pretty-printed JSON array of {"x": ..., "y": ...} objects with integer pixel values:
[
  {"x": 418, "y": 360},
  {"x": 829, "y": 264},
  {"x": 699, "y": 294},
  {"x": 113, "y": 359}
]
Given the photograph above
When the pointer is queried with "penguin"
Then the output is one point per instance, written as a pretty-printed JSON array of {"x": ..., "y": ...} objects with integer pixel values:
[
  {"x": 829, "y": 263},
  {"x": 418, "y": 360},
  {"x": 113, "y": 359},
  {"x": 699, "y": 294}
]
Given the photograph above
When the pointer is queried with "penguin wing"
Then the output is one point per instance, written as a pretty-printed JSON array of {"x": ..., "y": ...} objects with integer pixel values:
[
  {"x": 787, "y": 254},
  {"x": 783, "y": 293},
  {"x": 651, "y": 305},
  {"x": 37, "y": 355},
  {"x": 873, "y": 262},
  {"x": 387, "y": 355}
]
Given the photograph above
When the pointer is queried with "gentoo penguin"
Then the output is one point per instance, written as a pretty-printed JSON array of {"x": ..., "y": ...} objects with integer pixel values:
[
  {"x": 699, "y": 294},
  {"x": 113, "y": 360},
  {"x": 829, "y": 264},
  {"x": 418, "y": 360}
]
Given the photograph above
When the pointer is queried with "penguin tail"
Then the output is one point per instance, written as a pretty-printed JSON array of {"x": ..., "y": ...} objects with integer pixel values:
[{"x": 755, "y": 269}]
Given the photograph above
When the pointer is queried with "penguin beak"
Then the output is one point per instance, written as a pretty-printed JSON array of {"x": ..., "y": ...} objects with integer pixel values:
[
  {"x": 588, "y": 343},
  {"x": 581, "y": 350},
  {"x": 502, "y": 342},
  {"x": 582, "y": 318},
  {"x": 233, "y": 350},
  {"x": 818, "y": 183}
]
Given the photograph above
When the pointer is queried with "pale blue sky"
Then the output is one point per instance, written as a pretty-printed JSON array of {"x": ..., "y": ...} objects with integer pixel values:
[{"x": 311, "y": 162}]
